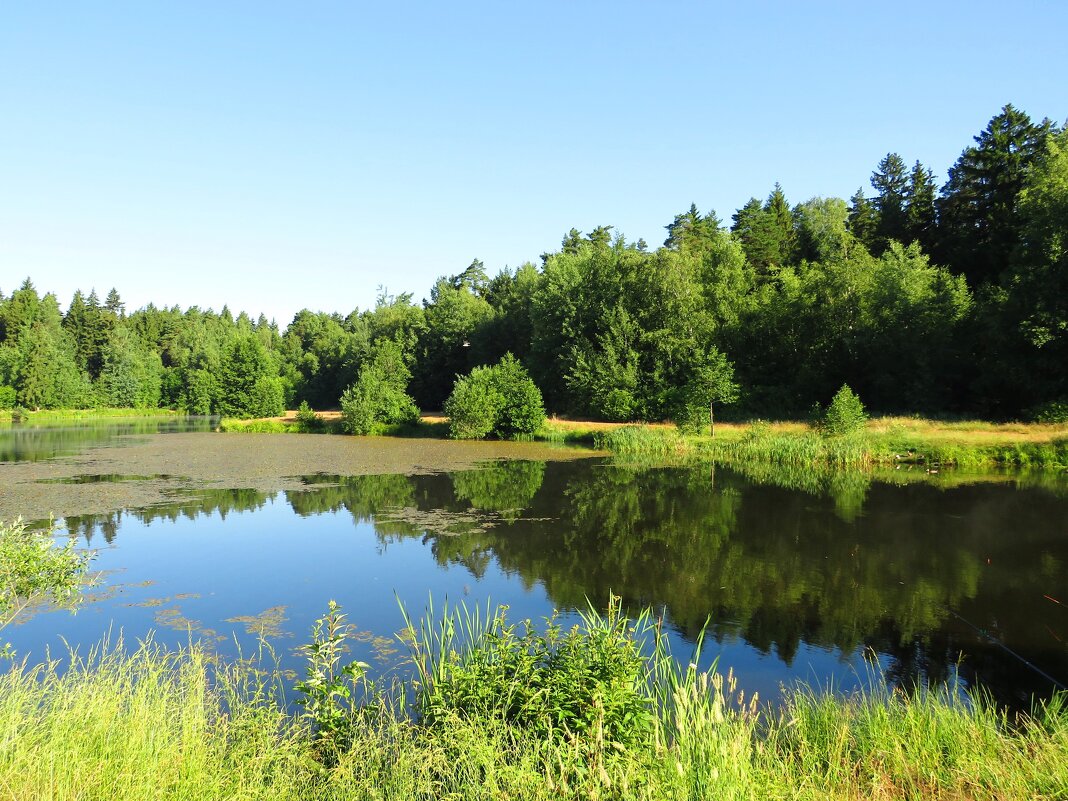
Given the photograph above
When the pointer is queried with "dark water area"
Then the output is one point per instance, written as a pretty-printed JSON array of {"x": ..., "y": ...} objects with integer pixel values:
[{"x": 801, "y": 576}]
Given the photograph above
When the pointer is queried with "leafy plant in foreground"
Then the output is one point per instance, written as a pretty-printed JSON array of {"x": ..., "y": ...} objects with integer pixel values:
[
  {"x": 328, "y": 685},
  {"x": 33, "y": 568},
  {"x": 585, "y": 681}
]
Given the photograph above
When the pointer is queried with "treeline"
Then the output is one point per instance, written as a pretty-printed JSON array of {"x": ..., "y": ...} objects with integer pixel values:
[{"x": 951, "y": 300}]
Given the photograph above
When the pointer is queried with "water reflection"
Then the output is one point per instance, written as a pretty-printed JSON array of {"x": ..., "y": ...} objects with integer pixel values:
[
  {"x": 32, "y": 442},
  {"x": 931, "y": 577}
]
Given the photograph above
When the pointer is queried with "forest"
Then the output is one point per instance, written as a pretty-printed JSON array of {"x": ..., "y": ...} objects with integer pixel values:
[{"x": 925, "y": 300}]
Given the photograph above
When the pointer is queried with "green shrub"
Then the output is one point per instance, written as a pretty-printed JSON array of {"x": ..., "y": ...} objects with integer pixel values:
[
  {"x": 501, "y": 400},
  {"x": 375, "y": 399},
  {"x": 1051, "y": 412},
  {"x": 7, "y": 397},
  {"x": 307, "y": 420},
  {"x": 522, "y": 412},
  {"x": 588, "y": 678},
  {"x": 267, "y": 398},
  {"x": 33, "y": 569},
  {"x": 473, "y": 406},
  {"x": 845, "y": 414}
]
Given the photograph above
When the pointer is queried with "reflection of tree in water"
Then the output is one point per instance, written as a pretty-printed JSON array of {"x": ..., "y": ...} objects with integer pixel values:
[
  {"x": 191, "y": 505},
  {"x": 32, "y": 443},
  {"x": 847, "y": 488},
  {"x": 836, "y": 560},
  {"x": 505, "y": 487},
  {"x": 848, "y": 562},
  {"x": 363, "y": 497}
]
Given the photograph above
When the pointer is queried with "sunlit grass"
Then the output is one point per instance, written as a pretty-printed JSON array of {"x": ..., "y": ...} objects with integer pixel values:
[
  {"x": 882, "y": 441},
  {"x": 59, "y": 415},
  {"x": 151, "y": 723}
]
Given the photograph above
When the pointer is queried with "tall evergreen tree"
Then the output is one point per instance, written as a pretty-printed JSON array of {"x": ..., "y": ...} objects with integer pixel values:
[
  {"x": 920, "y": 208},
  {"x": 691, "y": 230},
  {"x": 978, "y": 210},
  {"x": 862, "y": 219},
  {"x": 113, "y": 303},
  {"x": 890, "y": 181}
]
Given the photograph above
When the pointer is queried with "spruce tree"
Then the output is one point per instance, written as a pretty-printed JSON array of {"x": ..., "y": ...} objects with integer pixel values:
[
  {"x": 691, "y": 231},
  {"x": 890, "y": 182},
  {"x": 920, "y": 208},
  {"x": 978, "y": 210},
  {"x": 862, "y": 220}
]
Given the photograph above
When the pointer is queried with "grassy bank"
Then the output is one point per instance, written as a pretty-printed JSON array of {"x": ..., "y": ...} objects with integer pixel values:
[
  {"x": 885, "y": 441},
  {"x": 495, "y": 712},
  {"x": 63, "y": 415}
]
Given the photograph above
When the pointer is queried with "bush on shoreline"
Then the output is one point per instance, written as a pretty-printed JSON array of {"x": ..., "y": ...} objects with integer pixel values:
[{"x": 500, "y": 400}]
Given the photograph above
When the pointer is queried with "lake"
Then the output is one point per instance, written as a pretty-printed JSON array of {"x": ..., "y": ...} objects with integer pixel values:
[{"x": 799, "y": 575}]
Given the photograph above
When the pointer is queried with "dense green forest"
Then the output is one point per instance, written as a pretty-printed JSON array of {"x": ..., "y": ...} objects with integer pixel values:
[{"x": 923, "y": 300}]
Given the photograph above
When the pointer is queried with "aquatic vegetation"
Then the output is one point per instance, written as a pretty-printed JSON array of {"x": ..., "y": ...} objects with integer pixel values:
[
  {"x": 120, "y": 724},
  {"x": 33, "y": 569}
]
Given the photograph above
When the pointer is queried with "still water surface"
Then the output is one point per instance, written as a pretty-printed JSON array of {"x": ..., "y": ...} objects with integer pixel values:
[{"x": 800, "y": 575}]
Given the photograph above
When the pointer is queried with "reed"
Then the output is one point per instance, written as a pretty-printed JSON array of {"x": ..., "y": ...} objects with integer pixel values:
[{"x": 122, "y": 724}]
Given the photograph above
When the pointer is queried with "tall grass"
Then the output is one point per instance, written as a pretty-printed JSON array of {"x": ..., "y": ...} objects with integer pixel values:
[
  {"x": 149, "y": 723},
  {"x": 62, "y": 415},
  {"x": 642, "y": 441},
  {"x": 881, "y": 442}
]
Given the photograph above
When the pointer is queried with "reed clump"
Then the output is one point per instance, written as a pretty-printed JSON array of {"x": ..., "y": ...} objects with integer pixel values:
[{"x": 485, "y": 715}]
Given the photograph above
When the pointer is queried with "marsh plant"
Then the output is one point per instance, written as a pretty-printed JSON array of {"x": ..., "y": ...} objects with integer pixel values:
[
  {"x": 329, "y": 689},
  {"x": 552, "y": 680},
  {"x": 35, "y": 569},
  {"x": 177, "y": 725}
]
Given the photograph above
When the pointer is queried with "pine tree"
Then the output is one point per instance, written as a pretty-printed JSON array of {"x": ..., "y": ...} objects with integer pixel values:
[
  {"x": 979, "y": 220},
  {"x": 745, "y": 220},
  {"x": 691, "y": 231},
  {"x": 920, "y": 208},
  {"x": 890, "y": 182},
  {"x": 862, "y": 219},
  {"x": 114, "y": 304},
  {"x": 571, "y": 241}
]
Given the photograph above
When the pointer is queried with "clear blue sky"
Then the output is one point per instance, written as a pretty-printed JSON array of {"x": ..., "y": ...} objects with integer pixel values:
[{"x": 279, "y": 155}]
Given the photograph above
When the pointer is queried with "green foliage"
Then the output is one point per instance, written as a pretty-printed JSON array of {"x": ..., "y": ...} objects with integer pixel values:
[
  {"x": 501, "y": 400},
  {"x": 454, "y": 314},
  {"x": 131, "y": 376},
  {"x": 1052, "y": 412},
  {"x": 639, "y": 441},
  {"x": 33, "y": 569},
  {"x": 795, "y": 298},
  {"x": 358, "y": 404},
  {"x": 845, "y": 414},
  {"x": 710, "y": 382},
  {"x": 507, "y": 487},
  {"x": 328, "y": 686},
  {"x": 473, "y": 406},
  {"x": 307, "y": 420},
  {"x": 249, "y": 386},
  {"x": 123, "y": 724},
  {"x": 7, "y": 397},
  {"x": 379, "y": 395},
  {"x": 552, "y": 681},
  {"x": 979, "y": 209},
  {"x": 374, "y": 400}
]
